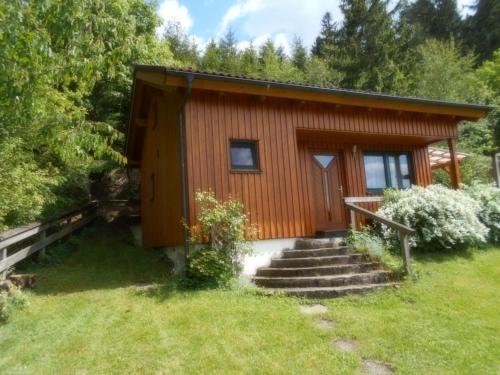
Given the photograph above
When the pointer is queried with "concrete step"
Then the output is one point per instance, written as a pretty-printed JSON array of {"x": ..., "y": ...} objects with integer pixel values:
[
  {"x": 316, "y": 243},
  {"x": 332, "y": 292},
  {"x": 318, "y": 261},
  {"x": 373, "y": 277},
  {"x": 310, "y": 253},
  {"x": 318, "y": 270}
]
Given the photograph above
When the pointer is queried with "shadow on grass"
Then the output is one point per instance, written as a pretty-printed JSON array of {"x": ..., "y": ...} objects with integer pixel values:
[
  {"x": 102, "y": 256},
  {"x": 442, "y": 255}
]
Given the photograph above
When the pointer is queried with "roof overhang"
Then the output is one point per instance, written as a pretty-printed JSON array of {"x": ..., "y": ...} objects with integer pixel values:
[
  {"x": 162, "y": 77},
  {"x": 166, "y": 79}
]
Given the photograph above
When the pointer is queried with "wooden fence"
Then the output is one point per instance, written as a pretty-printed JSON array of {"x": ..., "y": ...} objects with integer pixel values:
[{"x": 19, "y": 243}]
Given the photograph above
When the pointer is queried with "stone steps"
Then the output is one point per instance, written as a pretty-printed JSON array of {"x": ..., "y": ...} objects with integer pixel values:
[
  {"x": 332, "y": 292},
  {"x": 372, "y": 277},
  {"x": 318, "y": 261},
  {"x": 315, "y": 243},
  {"x": 322, "y": 268},
  {"x": 326, "y": 251},
  {"x": 318, "y": 270}
]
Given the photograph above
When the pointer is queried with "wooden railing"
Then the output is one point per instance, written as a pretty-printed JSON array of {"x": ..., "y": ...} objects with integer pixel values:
[
  {"x": 404, "y": 231},
  {"x": 19, "y": 243}
]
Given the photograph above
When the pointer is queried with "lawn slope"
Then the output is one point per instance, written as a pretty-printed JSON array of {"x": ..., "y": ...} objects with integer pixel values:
[{"x": 109, "y": 308}]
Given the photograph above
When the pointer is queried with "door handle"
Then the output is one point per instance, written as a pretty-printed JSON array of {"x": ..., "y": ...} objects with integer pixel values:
[{"x": 341, "y": 191}]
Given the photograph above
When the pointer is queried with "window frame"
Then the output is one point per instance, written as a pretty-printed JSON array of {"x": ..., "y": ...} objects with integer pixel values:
[
  {"x": 387, "y": 173},
  {"x": 244, "y": 169}
]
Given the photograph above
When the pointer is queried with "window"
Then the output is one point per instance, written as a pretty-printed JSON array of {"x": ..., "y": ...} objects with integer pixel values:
[
  {"x": 385, "y": 170},
  {"x": 244, "y": 155}
]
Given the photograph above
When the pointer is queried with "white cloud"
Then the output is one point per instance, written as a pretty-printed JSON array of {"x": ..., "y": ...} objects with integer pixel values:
[
  {"x": 464, "y": 7},
  {"x": 172, "y": 11},
  {"x": 279, "y": 20},
  {"x": 238, "y": 10}
]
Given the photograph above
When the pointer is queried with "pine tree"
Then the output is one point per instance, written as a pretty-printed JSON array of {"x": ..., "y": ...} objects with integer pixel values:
[
  {"x": 438, "y": 19},
  {"x": 326, "y": 40},
  {"x": 229, "y": 52},
  {"x": 482, "y": 30},
  {"x": 299, "y": 54},
  {"x": 250, "y": 61},
  {"x": 182, "y": 48},
  {"x": 211, "y": 59},
  {"x": 268, "y": 60},
  {"x": 368, "y": 47}
]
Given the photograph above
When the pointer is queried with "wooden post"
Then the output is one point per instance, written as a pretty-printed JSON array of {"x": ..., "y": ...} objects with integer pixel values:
[
  {"x": 405, "y": 249},
  {"x": 454, "y": 166},
  {"x": 353, "y": 219},
  {"x": 3, "y": 255},
  {"x": 43, "y": 236}
]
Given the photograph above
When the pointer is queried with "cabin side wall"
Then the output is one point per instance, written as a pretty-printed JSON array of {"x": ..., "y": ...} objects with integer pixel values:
[
  {"x": 161, "y": 207},
  {"x": 278, "y": 198}
]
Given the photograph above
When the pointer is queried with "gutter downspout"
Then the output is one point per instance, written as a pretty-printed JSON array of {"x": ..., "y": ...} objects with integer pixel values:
[{"x": 182, "y": 151}]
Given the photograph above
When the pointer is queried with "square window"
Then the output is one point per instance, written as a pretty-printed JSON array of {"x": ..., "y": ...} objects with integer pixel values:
[{"x": 244, "y": 155}]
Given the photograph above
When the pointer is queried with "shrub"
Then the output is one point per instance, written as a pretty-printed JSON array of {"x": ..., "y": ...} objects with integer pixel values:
[
  {"x": 488, "y": 197},
  {"x": 443, "y": 218},
  {"x": 368, "y": 242},
  {"x": 224, "y": 226},
  {"x": 10, "y": 301},
  {"x": 207, "y": 268}
]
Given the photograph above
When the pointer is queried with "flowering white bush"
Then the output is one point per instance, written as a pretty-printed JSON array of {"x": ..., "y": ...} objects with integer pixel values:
[
  {"x": 488, "y": 197},
  {"x": 443, "y": 218}
]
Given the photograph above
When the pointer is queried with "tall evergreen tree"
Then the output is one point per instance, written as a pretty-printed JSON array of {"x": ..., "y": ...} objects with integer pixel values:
[
  {"x": 268, "y": 60},
  {"x": 369, "y": 47},
  {"x": 299, "y": 54},
  {"x": 325, "y": 41},
  {"x": 250, "y": 61},
  {"x": 482, "y": 29},
  {"x": 438, "y": 19},
  {"x": 182, "y": 48},
  {"x": 211, "y": 59},
  {"x": 229, "y": 52}
]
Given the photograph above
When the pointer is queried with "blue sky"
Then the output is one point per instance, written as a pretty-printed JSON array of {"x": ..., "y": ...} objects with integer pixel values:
[{"x": 253, "y": 20}]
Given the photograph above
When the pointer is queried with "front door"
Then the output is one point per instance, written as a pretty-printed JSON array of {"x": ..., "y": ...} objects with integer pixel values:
[{"x": 327, "y": 191}]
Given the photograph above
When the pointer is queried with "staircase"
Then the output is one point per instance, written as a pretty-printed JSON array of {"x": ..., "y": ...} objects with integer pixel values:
[{"x": 319, "y": 268}]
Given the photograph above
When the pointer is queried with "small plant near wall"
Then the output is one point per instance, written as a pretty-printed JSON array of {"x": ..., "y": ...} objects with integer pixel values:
[
  {"x": 443, "y": 218},
  {"x": 224, "y": 228},
  {"x": 11, "y": 299},
  {"x": 367, "y": 241}
]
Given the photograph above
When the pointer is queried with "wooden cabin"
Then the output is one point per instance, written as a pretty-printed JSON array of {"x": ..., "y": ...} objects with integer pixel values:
[{"x": 291, "y": 152}]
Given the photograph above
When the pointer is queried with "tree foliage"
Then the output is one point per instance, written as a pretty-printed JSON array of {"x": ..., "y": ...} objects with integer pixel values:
[
  {"x": 65, "y": 78},
  {"x": 65, "y": 71}
]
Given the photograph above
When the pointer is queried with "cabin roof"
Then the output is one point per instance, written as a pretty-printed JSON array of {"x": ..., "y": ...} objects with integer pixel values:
[
  {"x": 476, "y": 110},
  {"x": 166, "y": 78}
]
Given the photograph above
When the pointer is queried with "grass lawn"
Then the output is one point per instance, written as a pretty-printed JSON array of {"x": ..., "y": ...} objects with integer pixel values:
[{"x": 94, "y": 313}]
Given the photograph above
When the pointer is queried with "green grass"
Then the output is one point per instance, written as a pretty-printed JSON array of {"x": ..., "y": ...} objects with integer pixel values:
[{"x": 92, "y": 314}]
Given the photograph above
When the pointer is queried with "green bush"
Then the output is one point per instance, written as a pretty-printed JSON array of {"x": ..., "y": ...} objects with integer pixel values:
[
  {"x": 368, "y": 242},
  {"x": 207, "y": 268},
  {"x": 223, "y": 225},
  {"x": 11, "y": 301},
  {"x": 443, "y": 218},
  {"x": 488, "y": 197}
]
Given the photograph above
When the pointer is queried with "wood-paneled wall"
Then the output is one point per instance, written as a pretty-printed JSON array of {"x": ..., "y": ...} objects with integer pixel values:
[
  {"x": 278, "y": 198},
  {"x": 161, "y": 208}
]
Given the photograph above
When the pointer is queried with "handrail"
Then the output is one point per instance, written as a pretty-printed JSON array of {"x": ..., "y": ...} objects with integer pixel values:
[
  {"x": 383, "y": 220},
  {"x": 404, "y": 231},
  {"x": 60, "y": 227}
]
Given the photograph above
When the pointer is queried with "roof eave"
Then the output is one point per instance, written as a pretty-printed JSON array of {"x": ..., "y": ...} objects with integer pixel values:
[{"x": 474, "y": 111}]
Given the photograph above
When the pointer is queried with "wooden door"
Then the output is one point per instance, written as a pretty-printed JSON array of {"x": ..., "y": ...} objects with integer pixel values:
[{"x": 327, "y": 190}]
